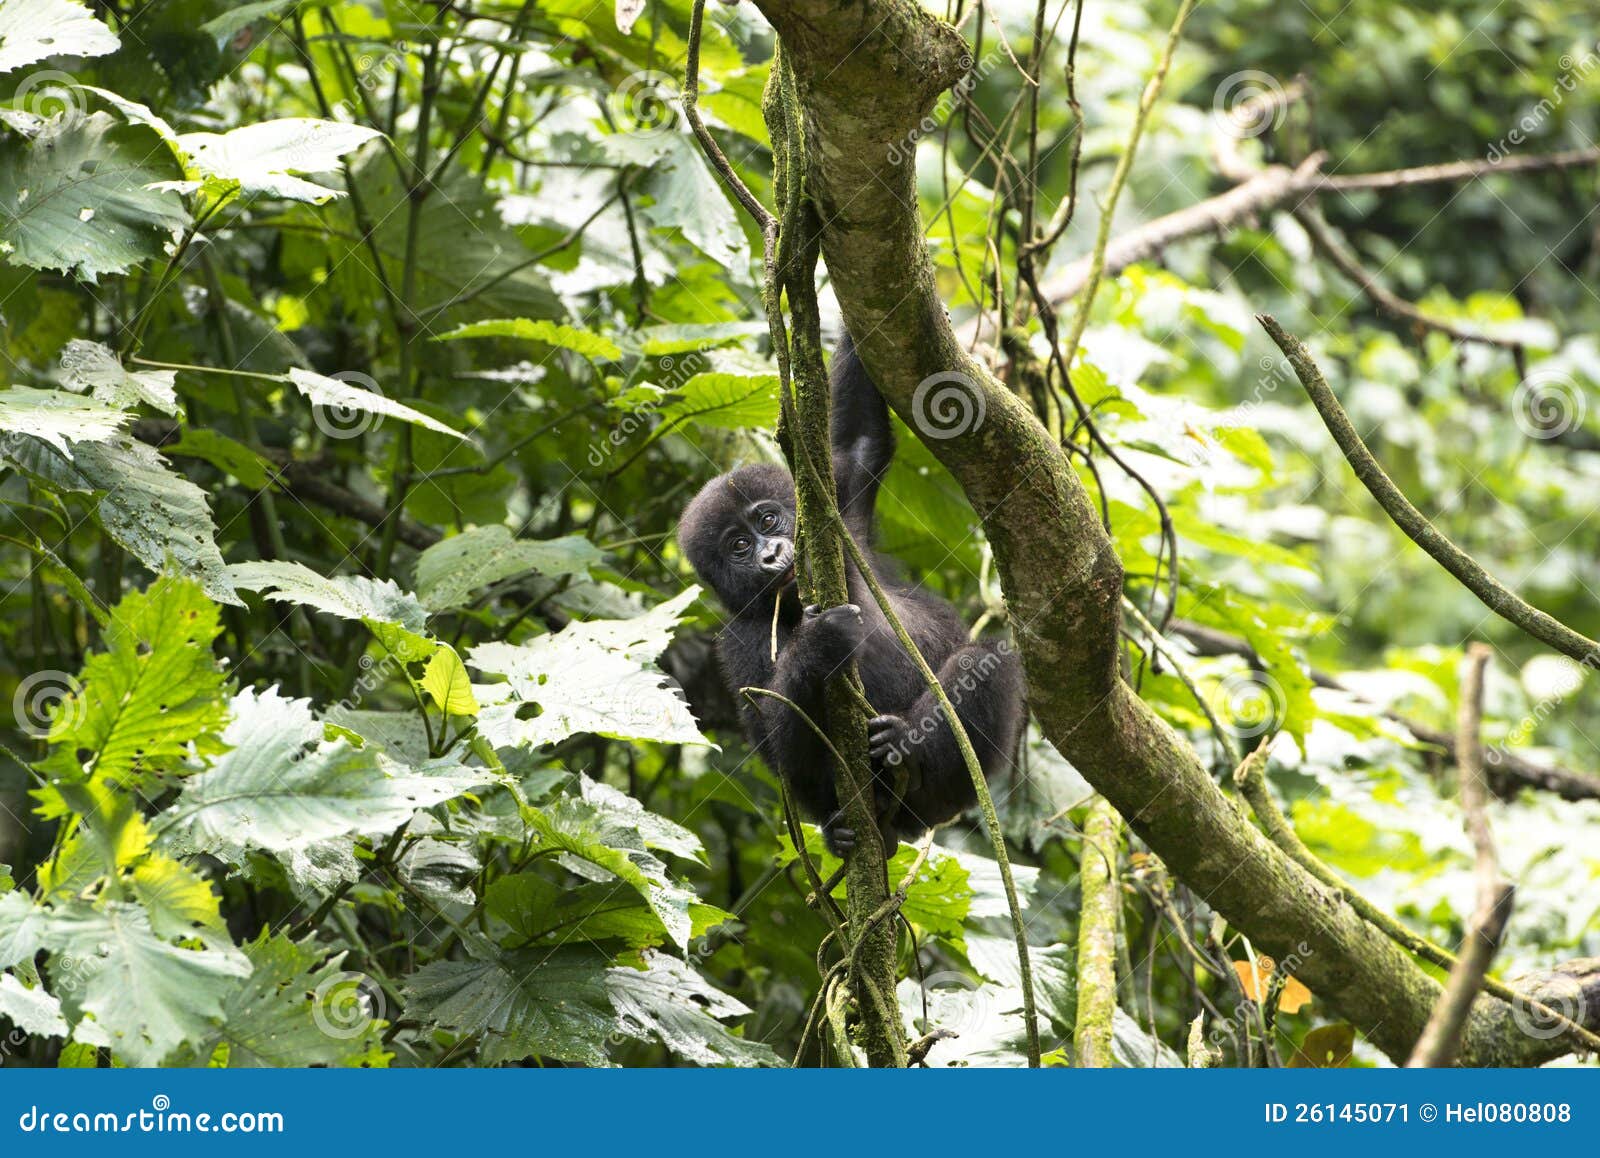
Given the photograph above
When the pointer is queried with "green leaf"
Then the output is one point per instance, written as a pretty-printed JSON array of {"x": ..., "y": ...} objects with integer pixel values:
[
  {"x": 1328, "y": 1047},
  {"x": 159, "y": 516},
  {"x": 347, "y": 596},
  {"x": 91, "y": 367},
  {"x": 534, "y": 907},
  {"x": 22, "y": 929},
  {"x": 179, "y": 900},
  {"x": 669, "y": 1002},
  {"x": 450, "y": 570},
  {"x": 611, "y": 844},
  {"x": 240, "y": 16},
  {"x": 31, "y": 30},
  {"x": 226, "y": 454},
  {"x": 33, "y": 1011},
  {"x": 446, "y": 680},
  {"x": 590, "y": 345},
  {"x": 597, "y": 677},
  {"x": 296, "y": 1009},
  {"x": 344, "y": 397},
  {"x": 133, "y": 991},
  {"x": 725, "y": 401},
  {"x": 685, "y": 338},
  {"x": 283, "y": 787},
  {"x": 153, "y": 692},
  {"x": 262, "y": 157},
  {"x": 58, "y": 417},
  {"x": 939, "y": 898},
  {"x": 78, "y": 196},
  {"x": 689, "y": 198},
  {"x": 549, "y": 1003}
]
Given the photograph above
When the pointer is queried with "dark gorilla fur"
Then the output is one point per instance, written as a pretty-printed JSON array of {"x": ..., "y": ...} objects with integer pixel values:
[{"x": 738, "y": 533}]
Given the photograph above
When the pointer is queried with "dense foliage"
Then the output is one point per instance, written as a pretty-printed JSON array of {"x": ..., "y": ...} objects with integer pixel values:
[{"x": 359, "y": 358}]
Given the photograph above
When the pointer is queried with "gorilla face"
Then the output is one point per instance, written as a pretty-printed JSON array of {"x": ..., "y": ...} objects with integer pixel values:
[{"x": 738, "y": 534}]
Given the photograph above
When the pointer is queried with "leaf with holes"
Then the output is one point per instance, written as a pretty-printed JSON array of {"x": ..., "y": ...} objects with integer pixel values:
[
  {"x": 89, "y": 367},
  {"x": 534, "y": 1003},
  {"x": 59, "y": 418},
  {"x": 154, "y": 693},
  {"x": 597, "y": 677},
  {"x": 31, "y": 30},
  {"x": 133, "y": 991},
  {"x": 667, "y": 1001},
  {"x": 78, "y": 196}
]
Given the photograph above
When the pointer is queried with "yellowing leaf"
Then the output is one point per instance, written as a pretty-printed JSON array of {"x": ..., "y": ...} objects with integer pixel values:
[
  {"x": 446, "y": 680},
  {"x": 1257, "y": 981}
]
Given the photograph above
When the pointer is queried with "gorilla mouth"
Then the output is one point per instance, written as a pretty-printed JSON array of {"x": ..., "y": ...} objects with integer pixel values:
[{"x": 787, "y": 579}]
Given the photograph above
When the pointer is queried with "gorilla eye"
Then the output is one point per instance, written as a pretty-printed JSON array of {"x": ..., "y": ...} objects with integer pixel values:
[
  {"x": 740, "y": 545},
  {"x": 768, "y": 520}
]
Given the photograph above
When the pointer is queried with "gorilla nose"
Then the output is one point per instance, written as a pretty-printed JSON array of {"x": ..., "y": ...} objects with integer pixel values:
[{"x": 776, "y": 555}]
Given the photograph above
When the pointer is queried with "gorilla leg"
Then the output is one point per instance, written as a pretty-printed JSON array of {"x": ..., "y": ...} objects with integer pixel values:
[{"x": 984, "y": 685}]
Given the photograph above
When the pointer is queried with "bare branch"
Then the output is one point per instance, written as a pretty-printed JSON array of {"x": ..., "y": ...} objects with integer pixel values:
[
  {"x": 1497, "y": 598},
  {"x": 1441, "y": 1040}
]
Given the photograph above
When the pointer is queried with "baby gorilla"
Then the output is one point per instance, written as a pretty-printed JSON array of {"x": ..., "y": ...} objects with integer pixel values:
[{"x": 738, "y": 533}]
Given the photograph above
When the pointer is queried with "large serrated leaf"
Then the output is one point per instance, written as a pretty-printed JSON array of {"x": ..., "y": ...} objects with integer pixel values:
[
  {"x": 296, "y": 1009},
  {"x": 131, "y": 990},
  {"x": 592, "y": 839},
  {"x": 595, "y": 677},
  {"x": 536, "y": 1003},
  {"x": 450, "y": 570},
  {"x": 724, "y": 400},
  {"x": 669, "y": 1002},
  {"x": 76, "y": 196},
  {"x": 283, "y": 787},
  {"x": 347, "y": 596},
  {"x": 155, "y": 690}
]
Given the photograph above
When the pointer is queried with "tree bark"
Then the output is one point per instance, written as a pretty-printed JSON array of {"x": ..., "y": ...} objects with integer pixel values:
[{"x": 868, "y": 72}]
